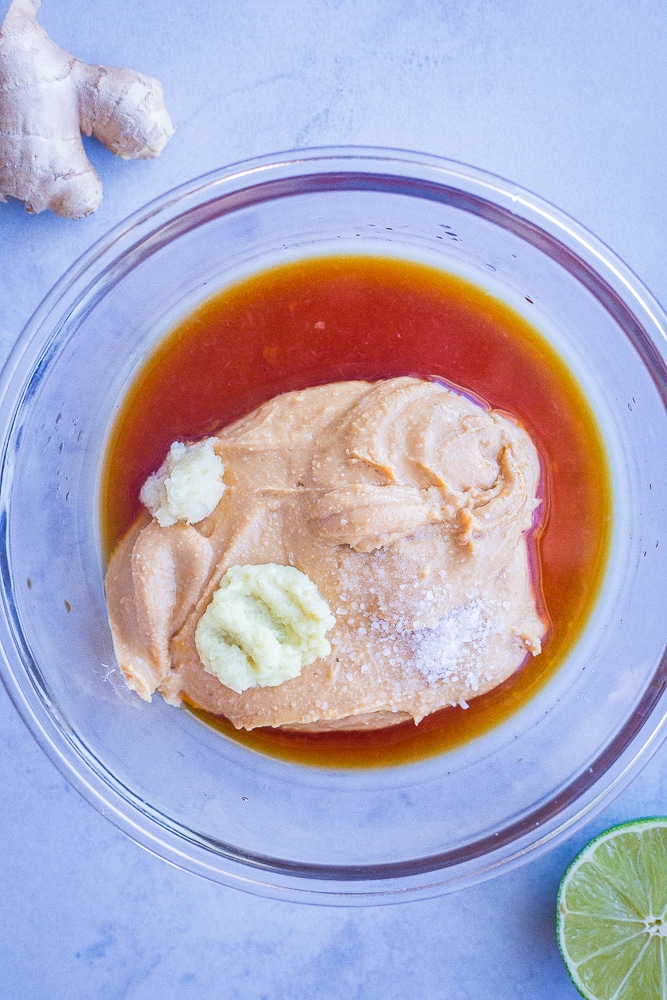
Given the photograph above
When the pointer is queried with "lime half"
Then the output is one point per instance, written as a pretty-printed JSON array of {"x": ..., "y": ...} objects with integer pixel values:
[{"x": 612, "y": 914}]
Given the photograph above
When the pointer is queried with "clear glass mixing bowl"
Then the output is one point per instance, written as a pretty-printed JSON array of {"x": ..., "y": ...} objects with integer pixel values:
[{"x": 178, "y": 787}]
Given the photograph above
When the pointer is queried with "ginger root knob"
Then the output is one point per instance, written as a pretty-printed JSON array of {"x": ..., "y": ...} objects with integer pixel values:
[{"x": 47, "y": 99}]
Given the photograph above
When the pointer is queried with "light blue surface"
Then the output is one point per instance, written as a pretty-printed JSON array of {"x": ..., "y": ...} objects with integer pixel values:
[{"x": 566, "y": 99}]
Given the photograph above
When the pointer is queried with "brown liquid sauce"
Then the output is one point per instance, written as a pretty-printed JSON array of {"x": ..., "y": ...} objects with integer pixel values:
[{"x": 337, "y": 318}]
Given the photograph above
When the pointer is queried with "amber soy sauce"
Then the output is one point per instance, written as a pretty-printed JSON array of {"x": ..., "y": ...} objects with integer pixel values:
[{"x": 354, "y": 317}]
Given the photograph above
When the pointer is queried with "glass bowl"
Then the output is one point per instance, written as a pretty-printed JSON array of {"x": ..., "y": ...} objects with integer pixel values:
[{"x": 178, "y": 787}]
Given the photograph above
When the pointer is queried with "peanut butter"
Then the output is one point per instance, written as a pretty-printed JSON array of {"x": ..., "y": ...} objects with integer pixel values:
[{"x": 405, "y": 502}]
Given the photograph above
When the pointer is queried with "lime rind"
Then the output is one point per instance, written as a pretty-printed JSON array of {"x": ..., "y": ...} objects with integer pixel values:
[{"x": 612, "y": 913}]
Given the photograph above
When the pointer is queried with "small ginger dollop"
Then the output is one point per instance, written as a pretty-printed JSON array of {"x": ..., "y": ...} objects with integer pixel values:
[{"x": 187, "y": 486}]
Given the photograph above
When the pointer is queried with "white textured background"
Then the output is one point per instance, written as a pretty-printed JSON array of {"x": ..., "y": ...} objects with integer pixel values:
[{"x": 566, "y": 99}]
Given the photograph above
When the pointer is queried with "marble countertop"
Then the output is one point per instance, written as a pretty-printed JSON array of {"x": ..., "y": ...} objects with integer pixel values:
[{"x": 568, "y": 100}]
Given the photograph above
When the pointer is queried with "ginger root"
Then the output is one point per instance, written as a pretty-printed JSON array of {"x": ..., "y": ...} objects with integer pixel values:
[{"x": 47, "y": 99}]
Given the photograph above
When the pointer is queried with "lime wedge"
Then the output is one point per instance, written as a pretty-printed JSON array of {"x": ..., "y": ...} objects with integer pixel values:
[{"x": 612, "y": 914}]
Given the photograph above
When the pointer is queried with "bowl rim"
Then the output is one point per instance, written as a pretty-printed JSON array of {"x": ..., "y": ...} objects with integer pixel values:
[{"x": 142, "y": 229}]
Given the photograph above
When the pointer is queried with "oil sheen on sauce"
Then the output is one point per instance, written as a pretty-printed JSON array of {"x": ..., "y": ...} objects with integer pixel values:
[{"x": 354, "y": 317}]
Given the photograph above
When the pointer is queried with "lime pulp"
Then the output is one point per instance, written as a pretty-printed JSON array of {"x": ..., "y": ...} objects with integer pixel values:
[{"x": 612, "y": 914}]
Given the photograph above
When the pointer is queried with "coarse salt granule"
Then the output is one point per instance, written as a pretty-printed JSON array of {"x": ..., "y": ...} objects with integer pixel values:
[{"x": 460, "y": 639}]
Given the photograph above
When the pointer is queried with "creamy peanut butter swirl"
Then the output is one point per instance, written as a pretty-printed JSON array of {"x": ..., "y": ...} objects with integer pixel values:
[{"x": 405, "y": 502}]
